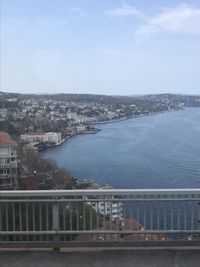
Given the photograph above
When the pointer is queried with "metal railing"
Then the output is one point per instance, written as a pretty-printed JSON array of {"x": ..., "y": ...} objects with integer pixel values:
[{"x": 57, "y": 218}]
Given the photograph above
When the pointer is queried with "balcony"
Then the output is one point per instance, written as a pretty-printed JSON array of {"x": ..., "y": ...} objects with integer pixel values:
[
  {"x": 11, "y": 165},
  {"x": 67, "y": 218},
  {"x": 8, "y": 155}
]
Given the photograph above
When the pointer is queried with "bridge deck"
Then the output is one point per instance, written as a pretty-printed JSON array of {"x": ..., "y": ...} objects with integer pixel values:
[{"x": 103, "y": 257}]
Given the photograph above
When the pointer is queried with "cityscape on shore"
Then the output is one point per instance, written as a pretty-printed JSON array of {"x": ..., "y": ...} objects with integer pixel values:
[
  {"x": 72, "y": 113},
  {"x": 39, "y": 121}
]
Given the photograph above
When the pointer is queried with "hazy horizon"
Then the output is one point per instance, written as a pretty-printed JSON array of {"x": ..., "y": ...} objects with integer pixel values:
[
  {"x": 100, "y": 47},
  {"x": 112, "y": 95}
]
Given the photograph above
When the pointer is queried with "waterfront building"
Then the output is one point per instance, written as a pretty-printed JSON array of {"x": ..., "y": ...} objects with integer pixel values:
[
  {"x": 8, "y": 162},
  {"x": 33, "y": 137},
  {"x": 51, "y": 137}
]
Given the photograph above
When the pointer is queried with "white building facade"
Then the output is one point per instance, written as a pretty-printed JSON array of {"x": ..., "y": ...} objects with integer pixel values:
[
  {"x": 51, "y": 137},
  {"x": 112, "y": 209}
]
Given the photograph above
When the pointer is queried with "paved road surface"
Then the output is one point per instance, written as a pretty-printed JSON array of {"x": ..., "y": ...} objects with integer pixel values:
[{"x": 101, "y": 258}]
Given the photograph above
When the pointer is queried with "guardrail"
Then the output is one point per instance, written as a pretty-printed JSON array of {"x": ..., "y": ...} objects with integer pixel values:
[{"x": 56, "y": 218}]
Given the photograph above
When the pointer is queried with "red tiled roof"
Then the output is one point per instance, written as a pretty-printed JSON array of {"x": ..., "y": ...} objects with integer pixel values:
[{"x": 6, "y": 139}]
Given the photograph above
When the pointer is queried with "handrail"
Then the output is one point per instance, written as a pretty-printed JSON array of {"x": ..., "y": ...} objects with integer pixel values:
[{"x": 99, "y": 192}]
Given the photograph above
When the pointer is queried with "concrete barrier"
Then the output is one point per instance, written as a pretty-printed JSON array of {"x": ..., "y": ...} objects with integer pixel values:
[{"x": 102, "y": 258}]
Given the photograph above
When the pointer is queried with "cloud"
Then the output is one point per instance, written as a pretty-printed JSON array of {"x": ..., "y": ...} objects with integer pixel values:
[
  {"x": 124, "y": 10},
  {"x": 77, "y": 11},
  {"x": 180, "y": 19}
]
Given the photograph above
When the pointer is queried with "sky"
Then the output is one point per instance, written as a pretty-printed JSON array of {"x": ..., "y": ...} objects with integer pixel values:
[{"x": 100, "y": 46}]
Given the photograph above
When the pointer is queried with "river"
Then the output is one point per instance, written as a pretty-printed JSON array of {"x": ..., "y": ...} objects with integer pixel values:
[{"x": 160, "y": 151}]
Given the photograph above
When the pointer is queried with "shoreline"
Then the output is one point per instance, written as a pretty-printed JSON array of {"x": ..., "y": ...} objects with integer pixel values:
[
  {"x": 134, "y": 117},
  {"x": 105, "y": 122},
  {"x": 67, "y": 138}
]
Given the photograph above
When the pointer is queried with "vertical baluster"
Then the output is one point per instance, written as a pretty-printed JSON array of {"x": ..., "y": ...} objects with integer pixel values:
[
  {"x": 158, "y": 216},
  {"x": 118, "y": 221},
  {"x": 33, "y": 220},
  {"x": 165, "y": 215},
  {"x": 84, "y": 222},
  {"x": 27, "y": 220},
  {"x": 185, "y": 216},
  {"x": 98, "y": 212},
  {"x": 20, "y": 219},
  {"x": 151, "y": 216},
  {"x": 91, "y": 209},
  {"x": 13, "y": 217},
  {"x": 124, "y": 218},
  {"x": 47, "y": 219},
  {"x": 110, "y": 211},
  {"x": 178, "y": 217},
  {"x": 172, "y": 216},
  {"x": 70, "y": 222},
  {"x": 56, "y": 220},
  {"x": 192, "y": 216},
  {"x": 78, "y": 217},
  {"x": 7, "y": 223},
  {"x": 40, "y": 219},
  {"x": 104, "y": 219},
  {"x": 64, "y": 216},
  {"x": 138, "y": 213},
  {"x": 144, "y": 215},
  {"x": 131, "y": 217}
]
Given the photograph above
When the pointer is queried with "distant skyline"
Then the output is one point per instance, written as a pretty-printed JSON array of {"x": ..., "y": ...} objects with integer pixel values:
[{"x": 100, "y": 46}]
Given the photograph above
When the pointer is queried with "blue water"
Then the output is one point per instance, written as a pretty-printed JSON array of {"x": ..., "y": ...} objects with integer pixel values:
[{"x": 160, "y": 151}]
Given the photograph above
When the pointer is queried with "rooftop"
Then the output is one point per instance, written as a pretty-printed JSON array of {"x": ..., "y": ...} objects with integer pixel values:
[{"x": 6, "y": 139}]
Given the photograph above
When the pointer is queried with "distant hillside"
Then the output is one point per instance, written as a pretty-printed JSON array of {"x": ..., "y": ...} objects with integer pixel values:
[{"x": 188, "y": 100}]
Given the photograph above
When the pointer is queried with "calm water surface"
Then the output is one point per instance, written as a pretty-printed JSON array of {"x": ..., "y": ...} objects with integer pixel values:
[{"x": 160, "y": 151}]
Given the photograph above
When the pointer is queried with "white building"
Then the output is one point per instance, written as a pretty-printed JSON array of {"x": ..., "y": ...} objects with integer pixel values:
[
  {"x": 42, "y": 137},
  {"x": 91, "y": 119},
  {"x": 71, "y": 116},
  {"x": 112, "y": 209},
  {"x": 53, "y": 137},
  {"x": 33, "y": 137}
]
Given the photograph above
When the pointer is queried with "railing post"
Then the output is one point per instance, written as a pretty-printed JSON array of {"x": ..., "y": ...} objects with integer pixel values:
[
  {"x": 198, "y": 216},
  {"x": 56, "y": 223}
]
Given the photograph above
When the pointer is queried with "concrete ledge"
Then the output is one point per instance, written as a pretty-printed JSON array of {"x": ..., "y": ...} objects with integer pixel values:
[
  {"x": 76, "y": 244},
  {"x": 102, "y": 258}
]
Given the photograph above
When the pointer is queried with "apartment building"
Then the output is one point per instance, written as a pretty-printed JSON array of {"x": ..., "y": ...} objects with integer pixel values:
[
  {"x": 8, "y": 162},
  {"x": 111, "y": 208}
]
